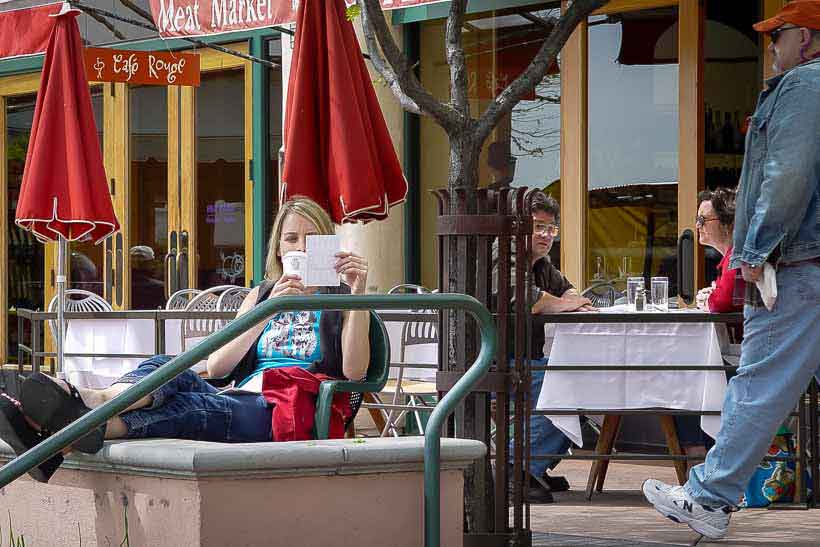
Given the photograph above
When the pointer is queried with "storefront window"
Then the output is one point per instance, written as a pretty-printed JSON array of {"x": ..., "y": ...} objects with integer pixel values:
[
  {"x": 524, "y": 149},
  {"x": 732, "y": 76},
  {"x": 86, "y": 258},
  {"x": 148, "y": 108},
  {"x": 25, "y": 269},
  {"x": 220, "y": 138},
  {"x": 633, "y": 146}
]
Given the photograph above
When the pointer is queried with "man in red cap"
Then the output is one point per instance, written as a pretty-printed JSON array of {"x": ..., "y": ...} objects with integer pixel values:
[{"x": 776, "y": 245}]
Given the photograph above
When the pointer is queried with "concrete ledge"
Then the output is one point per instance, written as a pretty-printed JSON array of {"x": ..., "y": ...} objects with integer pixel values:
[
  {"x": 177, "y": 492},
  {"x": 197, "y": 459}
]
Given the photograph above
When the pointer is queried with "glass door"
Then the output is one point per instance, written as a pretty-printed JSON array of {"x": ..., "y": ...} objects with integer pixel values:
[{"x": 187, "y": 210}]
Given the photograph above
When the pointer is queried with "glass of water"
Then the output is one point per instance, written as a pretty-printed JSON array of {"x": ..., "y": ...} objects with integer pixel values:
[
  {"x": 660, "y": 293},
  {"x": 632, "y": 286}
]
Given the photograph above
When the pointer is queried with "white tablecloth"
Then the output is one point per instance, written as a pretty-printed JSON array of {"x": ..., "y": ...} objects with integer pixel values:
[
  {"x": 633, "y": 344},
  {"x": 415, "y": 354},
  {"x": 103, "y": 336}
]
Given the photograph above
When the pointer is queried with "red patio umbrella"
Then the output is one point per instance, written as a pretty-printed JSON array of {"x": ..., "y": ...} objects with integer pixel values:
[
  {"x": 338, "y": 151},
  {"x": 64, "y": 193}
]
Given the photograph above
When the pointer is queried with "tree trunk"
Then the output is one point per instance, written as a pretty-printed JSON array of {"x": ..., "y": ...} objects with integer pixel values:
[
  {"x": 471, "y": 419},
  {"x": 464, "y": 156}
]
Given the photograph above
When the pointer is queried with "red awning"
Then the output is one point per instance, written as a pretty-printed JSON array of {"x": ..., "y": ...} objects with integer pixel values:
[
  {"x": 64, "y": 189},
  {"x": 26, "y": 31},
  {"x": 338, "y": 151}
]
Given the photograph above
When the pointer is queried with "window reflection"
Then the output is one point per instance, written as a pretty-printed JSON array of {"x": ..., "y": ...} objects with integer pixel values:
[
  {"x": 86, "y": 258},
  {"x": 220, "y": 132},
  {"x": 633, "y": 146},
  {"x": 26, "y": 256},
  {"x": 148, "y": 110}
]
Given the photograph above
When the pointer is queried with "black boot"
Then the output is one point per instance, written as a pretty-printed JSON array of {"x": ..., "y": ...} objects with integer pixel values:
[{"x": 21, "y": 437}]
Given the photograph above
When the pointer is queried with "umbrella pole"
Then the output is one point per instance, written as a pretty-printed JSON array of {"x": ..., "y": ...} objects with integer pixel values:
[{"x": 62, "y": 245}]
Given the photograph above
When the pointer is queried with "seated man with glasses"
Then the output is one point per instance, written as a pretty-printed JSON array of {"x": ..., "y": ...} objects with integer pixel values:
[{"x": 551, "y": 293}]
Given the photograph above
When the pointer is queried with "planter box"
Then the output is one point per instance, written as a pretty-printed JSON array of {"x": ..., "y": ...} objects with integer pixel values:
[{"x": 177, "y": 492}]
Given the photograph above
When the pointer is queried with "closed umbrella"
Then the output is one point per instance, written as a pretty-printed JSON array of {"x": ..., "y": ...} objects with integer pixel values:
[
  {"x": 338, "y": 151},
  {"x": 64, "y": 193}
]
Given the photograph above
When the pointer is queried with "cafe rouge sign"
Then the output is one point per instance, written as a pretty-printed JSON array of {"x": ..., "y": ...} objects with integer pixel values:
[
  {"x": 199, "y": 17},
  {"x": 141, "y": 67}
]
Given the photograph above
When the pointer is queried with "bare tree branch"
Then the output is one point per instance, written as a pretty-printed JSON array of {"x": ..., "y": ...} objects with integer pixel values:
[
  {"x": 138, "y": 10},
  {"x": 385, "y": 71},
  {"x": 577, "y": 12},
  {"x": 106, "y": 23},
  {"x": 445, "y": 115},
  {"x": 455, "y": 57}
]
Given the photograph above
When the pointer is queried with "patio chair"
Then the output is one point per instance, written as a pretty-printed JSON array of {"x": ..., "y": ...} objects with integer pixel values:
[
  {"x": 602, "y": 294},
  {"x": 180, "y": 299},
  {"x": 231, "y": 299},
  {"x": 77, "y": 300},
  {"x": 406, "y": 392},
  {"x": 373, "y": 383},
  {"x": 199, "y": 328}
]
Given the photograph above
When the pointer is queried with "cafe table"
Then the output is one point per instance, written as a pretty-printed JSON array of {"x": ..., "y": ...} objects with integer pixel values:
[{"x": 616, "y": 360}]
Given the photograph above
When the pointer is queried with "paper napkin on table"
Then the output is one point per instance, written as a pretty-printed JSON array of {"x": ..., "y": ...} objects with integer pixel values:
[{"x": 767, "y": 285}]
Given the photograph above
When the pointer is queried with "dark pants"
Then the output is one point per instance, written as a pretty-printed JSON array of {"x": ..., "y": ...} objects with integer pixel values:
[{"x": 188, "y": 407}]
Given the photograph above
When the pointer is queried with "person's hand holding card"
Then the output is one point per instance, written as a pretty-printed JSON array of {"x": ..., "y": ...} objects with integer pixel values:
[{"x": 353, "y": 269}]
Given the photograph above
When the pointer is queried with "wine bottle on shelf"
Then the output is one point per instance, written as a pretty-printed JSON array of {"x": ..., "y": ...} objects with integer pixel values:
[
  {"x": 728, "y": 134},
  {"x": 709, "y": 141},
  {"x": 717, "y": 136}
]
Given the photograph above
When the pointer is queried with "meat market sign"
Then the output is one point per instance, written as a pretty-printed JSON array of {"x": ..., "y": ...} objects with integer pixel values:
[
  {"x": 141, "y": 67},
  {"x": 198, "y": 17}
]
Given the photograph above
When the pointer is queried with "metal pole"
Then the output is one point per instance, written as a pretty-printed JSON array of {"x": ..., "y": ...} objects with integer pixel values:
[{"x": 62, "y": 246}]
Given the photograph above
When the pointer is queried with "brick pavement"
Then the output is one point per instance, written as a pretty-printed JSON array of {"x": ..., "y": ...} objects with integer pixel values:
[{"x": 620, "y": 516}]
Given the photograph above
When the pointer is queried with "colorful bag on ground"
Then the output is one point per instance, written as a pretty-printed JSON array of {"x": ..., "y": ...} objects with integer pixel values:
[{"x": 773, "y": 481}]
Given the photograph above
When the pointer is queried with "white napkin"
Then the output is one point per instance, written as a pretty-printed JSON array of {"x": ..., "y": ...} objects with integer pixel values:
[{"x": 767, "y": 285}]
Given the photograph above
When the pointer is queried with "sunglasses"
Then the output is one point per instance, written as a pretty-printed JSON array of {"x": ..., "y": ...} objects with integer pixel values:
[{"x": 775, "y": 34}]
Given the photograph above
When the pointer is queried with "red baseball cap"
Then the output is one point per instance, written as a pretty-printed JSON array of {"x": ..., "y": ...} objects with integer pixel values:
[{"x": 801, "y": 13}]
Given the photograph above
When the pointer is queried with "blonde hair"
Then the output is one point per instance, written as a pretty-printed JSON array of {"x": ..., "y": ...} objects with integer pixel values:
[{"x": 304, "y": 207}]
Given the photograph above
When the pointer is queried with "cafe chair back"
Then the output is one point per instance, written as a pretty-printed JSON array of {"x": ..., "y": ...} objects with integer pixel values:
[
  {"x": 199, "y": 328},
  {"x": 77, "y": 300},
  {"x": 374, "y": 382},
  {"x": 602, "y": 295},
  {"x": 180, "y": 299}
]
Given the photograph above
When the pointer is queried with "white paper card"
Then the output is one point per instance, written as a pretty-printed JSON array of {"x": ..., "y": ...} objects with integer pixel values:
[{"x": 321, "y": 259}]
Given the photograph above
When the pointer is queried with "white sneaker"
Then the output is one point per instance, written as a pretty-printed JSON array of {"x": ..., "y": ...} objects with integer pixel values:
[{"x": 675, "y": 504}]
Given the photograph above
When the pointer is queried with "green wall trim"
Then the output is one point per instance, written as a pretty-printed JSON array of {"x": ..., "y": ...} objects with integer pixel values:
[
  {"x": 411, "y": 161},
  {"x": 34, "y": 63},
  {"x": 260, "y": 163},
  {"x": 439, "y": 10}
]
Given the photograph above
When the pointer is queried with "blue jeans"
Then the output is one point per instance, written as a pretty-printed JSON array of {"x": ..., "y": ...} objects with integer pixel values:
[
  {"x": 779, "y": 355},
  {"x": 188, "y": 407},
  {"x": 545, "y": 438}
]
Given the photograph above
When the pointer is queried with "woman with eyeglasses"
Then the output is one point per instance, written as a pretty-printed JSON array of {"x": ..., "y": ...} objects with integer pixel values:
[{"x": 715, "y": 221}]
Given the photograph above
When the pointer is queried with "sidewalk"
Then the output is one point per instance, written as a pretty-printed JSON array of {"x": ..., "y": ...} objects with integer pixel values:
[{"x": 620, "y": 516}]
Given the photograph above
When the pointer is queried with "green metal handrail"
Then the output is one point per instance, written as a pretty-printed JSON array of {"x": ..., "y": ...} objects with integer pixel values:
[{"x": 432, "y": 437}]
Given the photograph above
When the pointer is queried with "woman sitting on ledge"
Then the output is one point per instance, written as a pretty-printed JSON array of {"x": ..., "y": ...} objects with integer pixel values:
[{"x": 328, "y": 342}]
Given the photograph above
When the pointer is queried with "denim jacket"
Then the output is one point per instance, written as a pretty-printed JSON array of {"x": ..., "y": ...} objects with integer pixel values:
[{"x": 778, "y": 202}]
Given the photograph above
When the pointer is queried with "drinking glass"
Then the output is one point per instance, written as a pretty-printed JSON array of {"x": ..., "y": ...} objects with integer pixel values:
[
  {"x": 660, "y": 293},
  {"x": 632, "y": 286}
]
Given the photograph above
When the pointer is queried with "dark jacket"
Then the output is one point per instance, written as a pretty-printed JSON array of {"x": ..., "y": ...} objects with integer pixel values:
[{"x": 330, "y": 339}]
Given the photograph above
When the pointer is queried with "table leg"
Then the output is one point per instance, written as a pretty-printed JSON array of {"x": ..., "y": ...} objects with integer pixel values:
[
  {"x": 606, "y": 441},
  {"x": 673, "y": 443},
  {"x": 375, "y": 413}
]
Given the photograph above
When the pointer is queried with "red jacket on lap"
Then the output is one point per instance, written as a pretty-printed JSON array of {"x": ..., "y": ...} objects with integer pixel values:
[{"x": 293, "y": 391}]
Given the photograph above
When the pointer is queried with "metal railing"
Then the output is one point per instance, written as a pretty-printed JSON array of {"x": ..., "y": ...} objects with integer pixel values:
[{"x": 182, "y": 362}]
